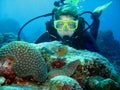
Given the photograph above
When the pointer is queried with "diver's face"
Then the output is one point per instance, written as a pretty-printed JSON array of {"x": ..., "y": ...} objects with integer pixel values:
[{"x": 65, "y": 25}]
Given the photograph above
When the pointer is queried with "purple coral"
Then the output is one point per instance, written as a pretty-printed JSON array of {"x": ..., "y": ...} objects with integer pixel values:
[{"x": 58, "y": 63}]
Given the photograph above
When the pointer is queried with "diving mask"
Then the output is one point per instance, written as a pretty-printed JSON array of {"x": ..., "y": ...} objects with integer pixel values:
[{"x": 70, "y": 24}]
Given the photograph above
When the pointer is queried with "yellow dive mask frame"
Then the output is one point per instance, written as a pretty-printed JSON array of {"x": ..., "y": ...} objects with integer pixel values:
[{"x": 70, "y": 24}]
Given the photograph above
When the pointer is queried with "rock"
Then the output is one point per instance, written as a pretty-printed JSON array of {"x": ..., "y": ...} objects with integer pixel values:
[
  {"x": 93, "y": 82},
  {"x": 18, "y": 87},
  {"x": 2, "y": 80},
  {"x": 64, "y": 83},
  {"x": 108, "y": 84}
]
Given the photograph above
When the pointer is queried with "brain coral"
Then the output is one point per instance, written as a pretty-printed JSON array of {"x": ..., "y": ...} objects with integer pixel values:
[
  {"x": 63, "y": 83},
  {"x": 28, "y": 60}
]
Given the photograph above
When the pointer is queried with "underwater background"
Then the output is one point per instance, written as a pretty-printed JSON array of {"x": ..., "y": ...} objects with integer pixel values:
[
  {"x": 15, "y": 13},
  {"x": 40, "y": 66}
]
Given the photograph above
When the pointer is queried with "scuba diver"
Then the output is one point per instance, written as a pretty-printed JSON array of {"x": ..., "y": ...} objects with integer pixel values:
[{"x": 68, "y": 27}]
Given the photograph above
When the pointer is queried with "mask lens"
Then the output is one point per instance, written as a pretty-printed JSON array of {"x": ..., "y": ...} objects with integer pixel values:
[
  {"x": 61, "y": 24},
  {"x": 72, "y": 25}
]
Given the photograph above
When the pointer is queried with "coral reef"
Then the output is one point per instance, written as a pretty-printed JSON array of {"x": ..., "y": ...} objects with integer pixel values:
[
  {"x": 64, "y": 83},
  {"x": 57, "y": 63},
  {"x": 27, "y": 60},
  {"x": 6, "y": 69},
  {"x": 102, "y": 84},
  {"x": 67, "y": 70},
  {"x": 6, "y": 38},
  {"x": 109, "y": 48}
]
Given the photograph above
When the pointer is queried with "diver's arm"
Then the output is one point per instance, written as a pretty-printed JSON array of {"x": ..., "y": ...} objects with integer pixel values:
[
  {"x": 97, "y": 12},
  {"x": 91, "y": 42},
  {"x": 95, "y": 26}
]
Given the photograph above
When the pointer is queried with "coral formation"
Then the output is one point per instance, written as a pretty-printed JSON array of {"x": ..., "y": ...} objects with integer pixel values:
[
  {"x": 74, "y": 69},
  {"x": 64, "y": 83},
  {"x": 91, "y": 65},
  {"x": 58, "y": 63},
  {"x": 108, "y": 84},
  {"x": 27, "y": 60},
  {"x": 6, "y": 38},
  {"x": 109, "y": 48},
  {"x": 6, "y": 69},
  {"x": 2, "y": 80}
]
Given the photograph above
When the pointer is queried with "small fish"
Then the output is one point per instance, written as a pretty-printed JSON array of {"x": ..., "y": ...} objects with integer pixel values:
[{"x": 61, "y": 51}]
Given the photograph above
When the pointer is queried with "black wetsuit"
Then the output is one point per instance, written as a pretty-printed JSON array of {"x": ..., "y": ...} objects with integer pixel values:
[{"x": 84, "y": 40}]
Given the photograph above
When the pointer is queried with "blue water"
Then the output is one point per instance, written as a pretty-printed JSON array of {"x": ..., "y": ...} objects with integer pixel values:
[{"x": 14, "y": 13}]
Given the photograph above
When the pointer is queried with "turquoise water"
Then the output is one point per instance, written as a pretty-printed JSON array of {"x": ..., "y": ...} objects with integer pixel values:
[
  {"x": 20, "y": 11},
  {"x": 15, "y": 13}
]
